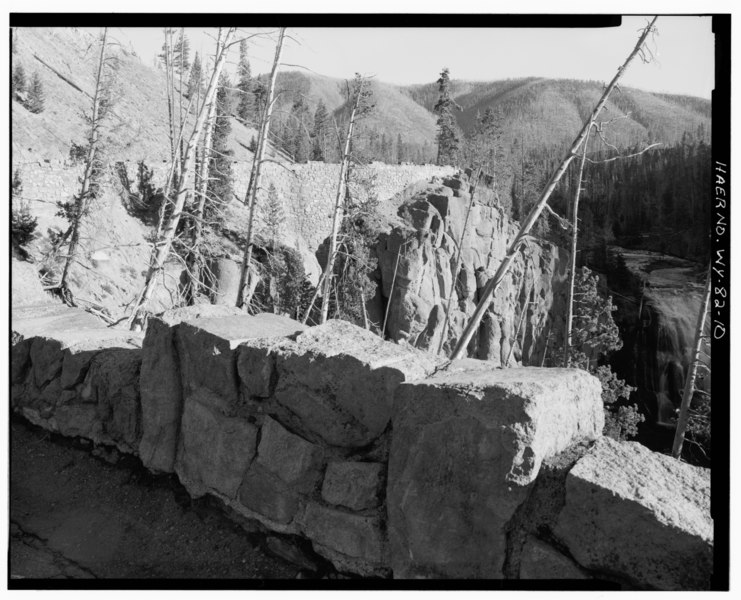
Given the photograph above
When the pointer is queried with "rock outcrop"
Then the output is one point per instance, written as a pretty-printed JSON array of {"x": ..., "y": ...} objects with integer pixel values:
[{"x": 417, "y": 274}]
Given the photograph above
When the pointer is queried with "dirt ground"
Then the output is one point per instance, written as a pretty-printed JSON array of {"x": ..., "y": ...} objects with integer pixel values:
[{"x": 77, "y": 515}]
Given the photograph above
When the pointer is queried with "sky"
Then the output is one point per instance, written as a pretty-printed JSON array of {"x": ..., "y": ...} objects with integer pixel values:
[{"x": 683, "y": 48}]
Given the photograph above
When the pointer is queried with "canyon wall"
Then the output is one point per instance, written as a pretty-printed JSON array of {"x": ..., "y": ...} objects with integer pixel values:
[
  {"x": 387, "y": 463},
  {"x": 419, "y": 272}
]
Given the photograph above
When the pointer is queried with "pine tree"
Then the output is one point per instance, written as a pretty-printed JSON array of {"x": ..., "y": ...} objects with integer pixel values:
[
  {"x": 36, "y": 97},
  {"x": 447, "y": 131},
  {"x": 220, "y": 170},
  {"x": 246, "y": 107},
  {"x": 319, "y": 133},
  {"x": 182, "y": 54},
  {"x": 195, "y": 80},
  {"x": 274, "y": 215},
  {"x": 400, "y": 154},
  {"x": 18, "y": 83},
  {"x": 296, "y": 140}
]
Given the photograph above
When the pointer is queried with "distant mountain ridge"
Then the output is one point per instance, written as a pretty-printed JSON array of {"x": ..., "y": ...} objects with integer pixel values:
[{"x": 540, "y": 114}]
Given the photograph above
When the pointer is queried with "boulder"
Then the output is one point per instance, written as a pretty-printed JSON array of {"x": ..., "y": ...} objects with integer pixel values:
[
  {"x": 161, "y": 397},
  {"x": 268, "y": 499},
  {"x": 467, "y": 443},
  {"x": 354, "y": 485},
  {"x": 352, "y": 542},
  {"x": 114, "y": 381},
  {"x": 291, "y": 458},
  {"x": 339, "y": 380},
  {"x": 640, "y": 515},
  {"x": 224, "y": 280},
  {"x": 214, "y": 451},
  {"x": 26, "y": 288}
]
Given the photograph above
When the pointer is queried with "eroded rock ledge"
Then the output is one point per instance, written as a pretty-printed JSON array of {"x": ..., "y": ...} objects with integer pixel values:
[{"x": 388, "y": 464}]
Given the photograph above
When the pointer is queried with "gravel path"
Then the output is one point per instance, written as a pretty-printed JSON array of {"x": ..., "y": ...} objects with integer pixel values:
[{"x": 75, "y": 515}]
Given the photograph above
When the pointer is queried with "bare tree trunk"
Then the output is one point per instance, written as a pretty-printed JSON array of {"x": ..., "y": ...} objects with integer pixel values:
[
  {"x": 391, "y": 291},
  {"x": 689, "y": 384},
  {"x": 572, "y": 274},
  {"x": 163, "y": 245},
  {"x": 256, "y": 175},
  {"x": 81, "y": 200},
  {"x": 319, "y": 285},
  {"x": 494, "y": 282},
  {"x": 195, "y": 259},
  {"x": 338, "y": 206}
]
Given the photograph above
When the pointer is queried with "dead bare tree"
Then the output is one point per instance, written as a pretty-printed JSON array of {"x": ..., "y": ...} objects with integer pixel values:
[
  {"x": 689, "y": 384},
  {"x": 572, "y": 273},
  {"x": 599, "y": 129},
  {"x": 256, "y": 175},
  {"x": 359, "y": 96},
  {"x": 494, "y": 282},
  {"x": 194, "y": 260},
  {"x": 162, "y": 246},
  {"x": 101, "y": 100}
]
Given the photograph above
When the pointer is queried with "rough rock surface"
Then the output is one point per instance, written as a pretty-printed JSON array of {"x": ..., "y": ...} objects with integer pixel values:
[
  {"x": 287, "y": 469},
  {"x": 291, "y": 458},
  {"x": 206, "y": 348},
  {"x": 339, "y": 379},
  {"x": 60, "y": 360},
  {"x": 517, "y": 326},
  {"x": 113, "y": 383},
  {"x": 197, "y": 355},
  {"x": 354, "y": 485},
  {"x": 542, "y": 561},
  {"x": 26, "y": 286},
  {"x": 352, "y": 542},
  {"x": 639, "y": 515},
  {"x": 467, "y": 444},
  {"x": 215, "y": 451}
]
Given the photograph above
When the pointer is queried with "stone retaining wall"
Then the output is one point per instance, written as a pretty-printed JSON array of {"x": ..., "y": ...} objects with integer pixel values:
[{"x": 387, "y": 464}]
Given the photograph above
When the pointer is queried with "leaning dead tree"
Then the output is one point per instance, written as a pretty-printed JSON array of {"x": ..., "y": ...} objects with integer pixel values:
[
  {"x": 101, "y": 101},
  {"x": 494, "y": 282},
  {"x": 256, "y": 176},
  {"x": 162, "y": 246},
  {"x": 689, "y": 385}
]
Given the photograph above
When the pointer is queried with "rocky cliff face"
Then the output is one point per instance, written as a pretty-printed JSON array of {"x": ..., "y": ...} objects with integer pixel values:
[{"x": 417, "y": 274}]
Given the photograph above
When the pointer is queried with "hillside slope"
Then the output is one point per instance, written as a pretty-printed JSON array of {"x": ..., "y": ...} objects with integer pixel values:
[
  {"x": 65, "y": 60},
  {"x": 545, "y": 111}
]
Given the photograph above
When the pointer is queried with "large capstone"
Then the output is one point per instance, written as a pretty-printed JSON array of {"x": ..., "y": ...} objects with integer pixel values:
[
  {"x": 339, "y": 381},
  {"x": 639, "y": 515},
  {"x": 467, "y": 443}
]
